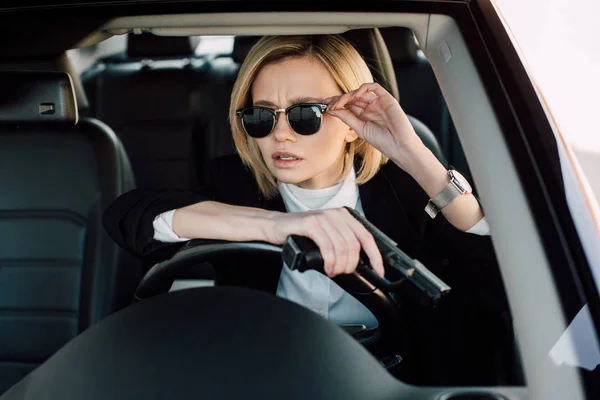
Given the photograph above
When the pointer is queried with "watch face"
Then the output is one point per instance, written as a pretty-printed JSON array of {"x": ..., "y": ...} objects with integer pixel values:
[{"x": 462, "y": 182}]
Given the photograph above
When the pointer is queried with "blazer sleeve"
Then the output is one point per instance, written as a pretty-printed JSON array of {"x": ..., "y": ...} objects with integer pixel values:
[
  {"x": 466, "y": 261},
  {"x": 129, "y": 218}
]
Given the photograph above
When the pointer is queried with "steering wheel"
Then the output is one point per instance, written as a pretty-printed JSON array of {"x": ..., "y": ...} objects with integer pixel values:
[{"x": 381, "y": 303}]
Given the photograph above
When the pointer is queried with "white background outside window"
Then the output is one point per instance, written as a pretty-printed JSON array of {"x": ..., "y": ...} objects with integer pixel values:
[{"x": 560, "y": 42}]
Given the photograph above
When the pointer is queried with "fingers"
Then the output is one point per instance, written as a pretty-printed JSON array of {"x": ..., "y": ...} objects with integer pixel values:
[
  {"x": 330, "y": 99},
  {"x": 367, "y": 92},
  {"x": 374, "y": 88},
  {"x": 357, "y": 108},
  {"x": 349, "y": 118},
  {"x": 360, "y": 103},
  {"x": 358, "y": 111},
  {"x": 323, "y": 241},
  {"x": 367, "y": 242},
  {"x": 336, "y": 257},
  {"x": 340, "y": 238},
  {"x": 351, "y": 246}
]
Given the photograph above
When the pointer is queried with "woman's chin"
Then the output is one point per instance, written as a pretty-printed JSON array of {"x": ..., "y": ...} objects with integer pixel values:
[
  {"x": 291, "y": 177},
  {"x": 290, "y": 180}
]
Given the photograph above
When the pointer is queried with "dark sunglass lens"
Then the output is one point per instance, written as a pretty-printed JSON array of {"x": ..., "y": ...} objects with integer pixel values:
[
  {"x": 305, "y": 119},
  {"x": 258, "y": 122}
]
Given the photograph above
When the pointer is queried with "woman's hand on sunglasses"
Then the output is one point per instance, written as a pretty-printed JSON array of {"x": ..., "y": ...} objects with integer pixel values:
[
  {"x": 338, "y": 235},
  {"x": 376, "y": 116}
]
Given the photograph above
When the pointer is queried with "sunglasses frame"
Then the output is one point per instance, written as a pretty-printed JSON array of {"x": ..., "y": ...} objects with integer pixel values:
[{"x": 275, "y": 113}]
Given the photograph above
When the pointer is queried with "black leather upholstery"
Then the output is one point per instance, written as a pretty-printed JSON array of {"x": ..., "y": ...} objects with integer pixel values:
[
  {"x": 34, "y": 97},
  {"x": 428, "y": 139},
  {"x": 372, "y": 48},
  {"x": 58, "y": 63},
  {"x": 59, "y": 271},
  {"x": 242, "y": 46},
  {"x": 149, "y": 45},
  {"x": 153, "y": 106},
  {"x": 401, "y": 45},
  {"x": 420, "y": 93}
]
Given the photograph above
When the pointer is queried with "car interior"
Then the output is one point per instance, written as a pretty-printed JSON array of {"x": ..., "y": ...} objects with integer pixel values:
[
  {"x": 162, "y": 113},
  {"x": 152, "y": 117}
]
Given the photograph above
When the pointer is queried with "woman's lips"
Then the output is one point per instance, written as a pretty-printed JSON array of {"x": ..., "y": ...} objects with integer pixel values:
[{"x": 282, "y": 159}]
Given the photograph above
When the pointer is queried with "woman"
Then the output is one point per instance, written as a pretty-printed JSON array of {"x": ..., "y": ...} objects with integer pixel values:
[{"x": 314, "y": 134}]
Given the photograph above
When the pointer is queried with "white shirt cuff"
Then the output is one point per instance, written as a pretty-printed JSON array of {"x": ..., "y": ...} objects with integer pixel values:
[
  {"x": 481, "y": 228},
  {"x": 163, "y": 228}
]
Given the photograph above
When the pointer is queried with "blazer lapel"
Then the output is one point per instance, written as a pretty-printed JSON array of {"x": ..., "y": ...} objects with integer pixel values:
[{"x": 383, "y": 208}]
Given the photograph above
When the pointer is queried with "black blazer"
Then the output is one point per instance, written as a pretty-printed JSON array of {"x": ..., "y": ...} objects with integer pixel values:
[{"x": 394, "y": 202}]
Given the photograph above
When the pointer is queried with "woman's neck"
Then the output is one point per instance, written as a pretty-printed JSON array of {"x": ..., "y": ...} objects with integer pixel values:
[{"x": 342, "y": 193}]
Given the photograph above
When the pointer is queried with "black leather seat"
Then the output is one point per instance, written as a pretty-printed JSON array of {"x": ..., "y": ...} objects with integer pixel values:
[
  {"x": 59, "y": 271},
  {"x": 420, "y": 94},
  {"x": 150, "y": 99}
]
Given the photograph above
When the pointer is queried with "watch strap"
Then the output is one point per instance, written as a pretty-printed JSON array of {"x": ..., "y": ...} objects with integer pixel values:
[
  {"x": 444, "y": 197},
  {"x": 431, "y": 209}
]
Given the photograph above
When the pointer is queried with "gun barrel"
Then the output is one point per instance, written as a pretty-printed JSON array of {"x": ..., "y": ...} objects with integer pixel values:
[{"x": 411, "y": 269}]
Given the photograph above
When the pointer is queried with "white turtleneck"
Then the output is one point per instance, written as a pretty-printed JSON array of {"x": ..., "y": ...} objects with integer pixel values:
[{"x": 313, "y": 289}]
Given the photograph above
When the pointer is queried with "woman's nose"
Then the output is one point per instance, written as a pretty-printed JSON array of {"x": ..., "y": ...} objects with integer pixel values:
[{"x": 282, "y": 131}]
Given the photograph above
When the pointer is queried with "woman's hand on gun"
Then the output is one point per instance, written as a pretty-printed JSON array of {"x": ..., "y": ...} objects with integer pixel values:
[{"x": 339, "y": 236}]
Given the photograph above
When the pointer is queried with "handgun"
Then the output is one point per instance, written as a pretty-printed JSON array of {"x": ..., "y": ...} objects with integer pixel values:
[{"x": 301, "y": 253}]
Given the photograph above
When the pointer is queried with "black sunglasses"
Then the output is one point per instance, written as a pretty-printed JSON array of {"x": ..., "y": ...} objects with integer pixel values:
[{"x": 304, "y": 118}]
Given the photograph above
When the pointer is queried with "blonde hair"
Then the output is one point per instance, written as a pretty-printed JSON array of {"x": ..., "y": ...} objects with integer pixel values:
[{"x": 342, "y": 61}]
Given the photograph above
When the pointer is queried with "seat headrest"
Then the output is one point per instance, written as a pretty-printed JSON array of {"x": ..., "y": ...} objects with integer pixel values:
[
  {"x": 147, "y": 45},
  {"x": 372, "y": 47},
  {"x": 37, "y": 97},
  {"x": 242, "y": 46},
  {"x": 401, "y": 44},
  {"x": 60, "y": 63}
]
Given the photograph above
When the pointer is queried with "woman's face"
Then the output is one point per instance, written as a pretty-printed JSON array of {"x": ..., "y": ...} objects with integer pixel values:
[{"x": 320, "y": 157}]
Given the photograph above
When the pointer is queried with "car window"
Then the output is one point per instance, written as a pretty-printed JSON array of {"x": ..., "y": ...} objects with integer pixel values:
[
  {"x": 167, "y": 150},
  {"x": 215, "y": 45}
]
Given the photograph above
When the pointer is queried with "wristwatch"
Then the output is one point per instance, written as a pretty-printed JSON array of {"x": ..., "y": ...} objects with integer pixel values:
[{"x": 457, "y": 186}]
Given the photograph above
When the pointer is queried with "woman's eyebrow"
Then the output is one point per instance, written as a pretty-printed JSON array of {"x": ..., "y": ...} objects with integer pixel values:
[
  {"x": 296, "y": 100},
  {"x": 264, "y": 103},
  {"x": 306, "y": 99}
]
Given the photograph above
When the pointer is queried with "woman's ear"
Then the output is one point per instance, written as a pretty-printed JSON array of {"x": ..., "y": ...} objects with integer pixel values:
[{"x": 351, "y": 136}]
